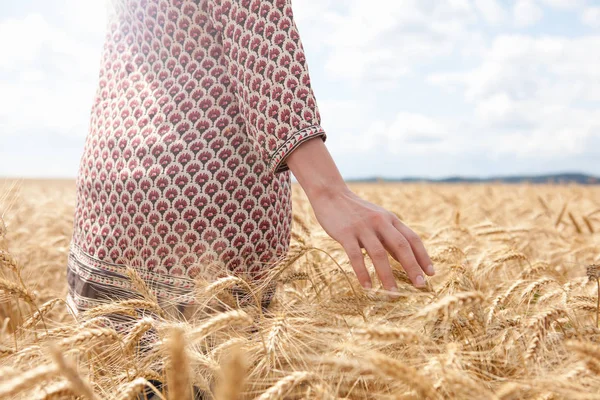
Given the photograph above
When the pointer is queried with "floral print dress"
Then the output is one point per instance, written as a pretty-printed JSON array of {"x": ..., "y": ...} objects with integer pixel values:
[{"x": 184, "y": 167}]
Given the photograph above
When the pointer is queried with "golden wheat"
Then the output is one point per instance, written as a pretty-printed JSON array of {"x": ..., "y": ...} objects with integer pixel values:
[
  {"x": 26, "y": 379},
  {"x": 178, "y": 375},
  {"x": 69, "y": 371},
  {"x": 510, "y": 314}
]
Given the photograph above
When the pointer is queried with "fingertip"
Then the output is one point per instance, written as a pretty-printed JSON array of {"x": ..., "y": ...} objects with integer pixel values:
[
  {"x": 429, "y": 270},
  {"x": 394, "y": 293},
  {"x": 420, "y": 281}
]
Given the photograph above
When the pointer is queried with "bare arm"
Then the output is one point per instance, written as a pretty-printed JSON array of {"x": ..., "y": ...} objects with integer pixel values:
[{"x": 356, "y": 223}]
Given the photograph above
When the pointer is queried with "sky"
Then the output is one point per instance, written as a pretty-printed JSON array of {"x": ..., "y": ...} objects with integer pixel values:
[{"x": 429, "y": 88}]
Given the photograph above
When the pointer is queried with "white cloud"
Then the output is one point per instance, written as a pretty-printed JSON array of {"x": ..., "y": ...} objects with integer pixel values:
[
  {"x": 27, "y": 37},
  {"x": 87, "y": 17},
  {"x": 380, "y": 41},
  {"x": 591, "y": 16},
  {"x": 398, "y": 81},
  {"x": 532, "y": 95},
  {"x": 529, "y": 96},
  {"x": 526, "y": 13},
  {"x": 564, "y": 4},
  {"x": 315, "y": 19},
  {"x": 409, "y": 133},
  {"x": 491, "y": 10},
  {"x": 30, "y": 107},
  {"x": 48, "y": 73}
]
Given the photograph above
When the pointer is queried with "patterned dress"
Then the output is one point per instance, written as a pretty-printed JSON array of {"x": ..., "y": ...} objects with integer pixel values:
[{"x": 199, "y": 103}]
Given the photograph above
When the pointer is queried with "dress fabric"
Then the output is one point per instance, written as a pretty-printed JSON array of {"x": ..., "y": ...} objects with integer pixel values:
[{"x": 198, "y": 105}]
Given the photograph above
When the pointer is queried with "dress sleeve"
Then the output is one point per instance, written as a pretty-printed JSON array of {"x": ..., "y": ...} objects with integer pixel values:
[{"x": 267, "y": 67}]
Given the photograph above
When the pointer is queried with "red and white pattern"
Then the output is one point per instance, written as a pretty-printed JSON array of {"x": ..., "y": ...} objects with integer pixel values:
[{"x": 199, "y": 104}]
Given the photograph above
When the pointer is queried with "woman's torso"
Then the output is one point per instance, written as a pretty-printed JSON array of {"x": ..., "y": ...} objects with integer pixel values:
[{"x": 169, "y": 181}]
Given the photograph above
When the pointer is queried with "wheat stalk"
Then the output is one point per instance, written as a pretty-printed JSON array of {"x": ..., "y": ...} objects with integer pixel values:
[
  {"x": 135, "y": 334},
  {"x": 539, "y": 325},
  {"x": 222, "y": 284},
  {"x": 397, "y": 370},
  {"x": 66, "y": 369},
  {"x": 5, "y": 351},
  {"x": 127, "y": 307},
  {"x": 510, "y": 257},
  {"x": 27, "y": 379},
  {"x": 277, "y": 327},
  {"x": 56, "y": 391},
  {"x": 178, "y": 374},
  {"x": 140, "y": 285},
  {"x": 500, "y": 299},
  {"x": 575, "y": 223},
  {"x": 40, "y": 313},
  {"x": 560, "y": 214},
  {"x": 589, "y": 224},
  {"x": 8, "y": 261},
  {"x": 535, "y": 286},
  {"x": 296, "y": 276},
  {"x": 449, "y": 302},
  {"x": 284, "y": 385},
  {"x": 17, "y": 290},
  {"x": 231, "y": 382},
  {"x": 131, "y": 390},
  {"x": 585, "y": 349},
  {"x": 89, "y": 335},
  {"x": 392, "y": 335},
  {"x": 593, "y": 273},
  {"x": 229, "y": 318}
]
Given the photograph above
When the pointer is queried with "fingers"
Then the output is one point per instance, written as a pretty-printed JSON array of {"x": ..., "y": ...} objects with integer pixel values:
[
  {"x": 378, "y": 238},
  {"x": 401, "y": 250},
  {"x": 379, "y": 256},
  {"x": 357, "y": 261},
  {"x": 416, "y": 245}
]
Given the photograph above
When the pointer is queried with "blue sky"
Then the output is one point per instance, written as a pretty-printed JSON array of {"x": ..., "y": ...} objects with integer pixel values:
[{"x": 405, "y": 87}]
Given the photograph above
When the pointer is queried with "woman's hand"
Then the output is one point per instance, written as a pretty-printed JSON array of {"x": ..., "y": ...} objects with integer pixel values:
[{"x": 356, "y": 223}]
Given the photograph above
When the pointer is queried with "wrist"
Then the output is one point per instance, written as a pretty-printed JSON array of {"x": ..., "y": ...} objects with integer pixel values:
[
  {"x": 316, "y": 171},
  {"x": 323, "y": 188}
]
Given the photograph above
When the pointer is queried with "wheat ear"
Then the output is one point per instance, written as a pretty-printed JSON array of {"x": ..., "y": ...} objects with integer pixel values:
[
  {"x": 89, "y": 335},
  {"x": 450, "y": 302},
  {"x": 395, "y": 369},
  {"x": 40, "y": 313},
  {"x": 229, "y": 318},
  {"x": 56, "y": 391},
  {"x": 136, "y": 333},
  {"x": 140, "y": 285},
  {"x": 391, "y": 335},
  {"x": 127, "y": 307},
  {"x": 131, "y": 390},
  {"x": 27, "y": 379},
  {"x": 284, "y": 385},
  {"x": 17, "y": 290}
]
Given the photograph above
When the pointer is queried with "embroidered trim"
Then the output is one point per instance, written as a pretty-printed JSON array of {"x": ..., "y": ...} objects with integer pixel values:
[
  {"x": 93, "y": 282},
  {"x": 119, "y": 272},
  {"x": 112, "y": 281},
  {"x": 277, "y": 163}
]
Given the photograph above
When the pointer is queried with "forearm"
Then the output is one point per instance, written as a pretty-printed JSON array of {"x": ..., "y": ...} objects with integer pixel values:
[{"x": 314, "y": 168}]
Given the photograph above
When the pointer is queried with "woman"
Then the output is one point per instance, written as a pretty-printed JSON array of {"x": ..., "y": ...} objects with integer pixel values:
[{"x": 203, "y": 108}]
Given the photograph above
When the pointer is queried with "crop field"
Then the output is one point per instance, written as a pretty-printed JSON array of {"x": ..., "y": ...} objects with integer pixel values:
[{"x": 512, "y": 312}]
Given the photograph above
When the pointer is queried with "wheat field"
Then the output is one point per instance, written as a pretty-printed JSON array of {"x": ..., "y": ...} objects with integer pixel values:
[{"x": 512, "y": 312}]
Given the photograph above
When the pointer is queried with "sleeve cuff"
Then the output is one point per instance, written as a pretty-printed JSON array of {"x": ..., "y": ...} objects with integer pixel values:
[{"x": 277, "y": 163}]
